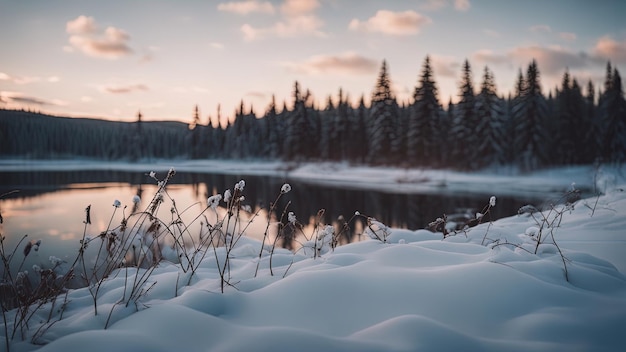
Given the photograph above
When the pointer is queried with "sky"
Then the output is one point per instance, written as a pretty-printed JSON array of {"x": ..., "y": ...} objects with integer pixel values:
[{"x": 111, "y": 59}]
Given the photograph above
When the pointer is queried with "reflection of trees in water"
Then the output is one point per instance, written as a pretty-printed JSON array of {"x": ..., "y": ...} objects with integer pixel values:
[{"x": 413, "y": 211}]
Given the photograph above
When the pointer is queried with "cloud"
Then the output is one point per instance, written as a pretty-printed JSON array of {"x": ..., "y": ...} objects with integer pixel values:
[
  {"x": 191, "y": 89},
  {"x": 246, "y": 7},
  {"x": 551, "y": 60},
  {"x": 18, "y": 79},
  {"x": 289, "y": 28},
  {"x": 568, "y": 36},
  {"x": 445, "y": 66},
  {"x": 27, "y": 79},
  {"x": 298, "y": 20},
  {"x": 433, "y": 5},
  {"x": 347, "y": 64},
  {"x": 85, "y": 37},
  {"x": 299, "y": 7},
  {"x": 20, "y": 98},
  {"x": 256, "y": 95},
  {"x": 125, "y": 88},
  {"x": 436, "y": 5},
  {"x": 81, "y": 25},
  {"x": 392, "y": 23},
  {"x": 540, "y": 28},
  {"x": 609, "y": 49},
  {"x": 462, "y": 5},
  {"x": 489, "y": 57}
]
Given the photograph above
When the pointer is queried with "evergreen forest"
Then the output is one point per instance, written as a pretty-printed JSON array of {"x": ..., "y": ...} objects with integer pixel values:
[{"x": 576, "y": 123}]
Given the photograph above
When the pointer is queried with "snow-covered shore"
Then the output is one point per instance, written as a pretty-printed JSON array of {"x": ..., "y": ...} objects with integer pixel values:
[
  {"x": 484, "y": 290},
  {"x": 547, "y": 182}
]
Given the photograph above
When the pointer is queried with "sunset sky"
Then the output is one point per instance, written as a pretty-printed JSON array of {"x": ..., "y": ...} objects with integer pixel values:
[{"x": 110, "y": 59}]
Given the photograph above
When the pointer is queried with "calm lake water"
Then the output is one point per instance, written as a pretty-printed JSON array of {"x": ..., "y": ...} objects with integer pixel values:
[{"x": 50, "y": 206}]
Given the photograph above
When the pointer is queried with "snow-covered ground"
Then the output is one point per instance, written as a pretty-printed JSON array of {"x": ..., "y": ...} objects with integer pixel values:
[
  {"x": 489, "y": 289},
  {"x": 503, "y": 182}
]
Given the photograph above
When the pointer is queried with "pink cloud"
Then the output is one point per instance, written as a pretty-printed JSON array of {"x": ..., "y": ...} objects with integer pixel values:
[
  {"x": 290, "y": 27},
  {"x": 392, "y": 23},
  {"x": 610, "y": 49},
  {"x": 347, "y": 63},
  {"x": 246, "y": 7},
  {"x": 110, "y": 44},
  {"x": 299, "y": 7}
]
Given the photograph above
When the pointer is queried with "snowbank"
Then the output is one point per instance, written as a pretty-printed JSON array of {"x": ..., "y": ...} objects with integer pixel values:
[
  {"x": 505, "y": 181},
  {"x": 481, "y": 290}
]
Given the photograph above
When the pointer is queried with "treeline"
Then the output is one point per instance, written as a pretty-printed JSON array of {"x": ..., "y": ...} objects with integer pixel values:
[
  {"x": 526, "y": 129},
  {"x": 33, "y": 135}
]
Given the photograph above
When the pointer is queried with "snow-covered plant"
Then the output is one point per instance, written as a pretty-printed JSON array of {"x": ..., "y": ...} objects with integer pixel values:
[
  {"x": 227, "y": 196},
  {"x": 439, "y": 225},
  {"x": 547, "y": 222},
  {"x": 214, "y": 201},
  {"x": 486, "y": 211},
  {"x": 323, "y": 240},
  {"x": 376, "y": 230},
  {"x": 291, "y": 217}
]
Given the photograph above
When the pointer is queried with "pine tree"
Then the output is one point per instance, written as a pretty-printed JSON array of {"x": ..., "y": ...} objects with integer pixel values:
[
  {"x": 273, "y": 130},
  {"x": 327, "y": 141},
  {"x": 464, "y": 138},
  {"x": 423, "y": 138},
  {"x": 444, "y": 128},
  {"x": 137, "y": 150},
  {"x": 530, "y": 138},
  {"x": 358, "y": 146},
  {"x": 593, "y": 136},
  {"x": 561, "y": 128},
  {"x": 382, "y": 118},
  {"x": 489, "y": 129},
  {"x": 614, "y": 109},
  {"x": 340, "y": 132},
  {"x": 195, "y": 138},
  {"x": 297, "y": 128}
]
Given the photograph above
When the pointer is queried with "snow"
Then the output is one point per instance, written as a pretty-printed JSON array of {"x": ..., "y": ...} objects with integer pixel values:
[
  {"x": 507, "y": 182},
  {"x": 484, "y": 289}
]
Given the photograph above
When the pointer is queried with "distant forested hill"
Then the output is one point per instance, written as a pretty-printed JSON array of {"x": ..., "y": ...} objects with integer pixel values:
[{"x": 34, "y": 135}]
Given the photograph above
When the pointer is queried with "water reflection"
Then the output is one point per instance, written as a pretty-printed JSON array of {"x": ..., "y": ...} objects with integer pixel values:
[{"x": 51, "y": 205}]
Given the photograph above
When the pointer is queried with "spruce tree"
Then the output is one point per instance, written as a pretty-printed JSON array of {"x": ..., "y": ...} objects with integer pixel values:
[
  {"x": 423, "y": 137},
  {"x": 561, "y": 128},
  {"x": 614, "y": 110},
  {"x": 463, "y": 132},
  {"x": 383, "y": 114},
  {"x": 273, "y": 130},
  {"x": 295, "y": 143},
  {"x": 593, "y": 136},
  {"x": 195, "y": 138},
  {"x": 489, "y": 129},
  {"x": 530, "y": 134},
  {"x": 358, "y": 145},
  {"x": 340, "y": 132},
  {"x": 327, "y": 141}
]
